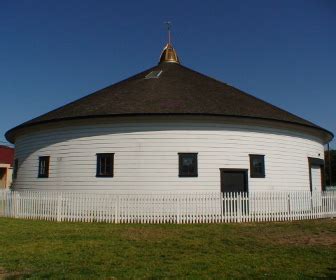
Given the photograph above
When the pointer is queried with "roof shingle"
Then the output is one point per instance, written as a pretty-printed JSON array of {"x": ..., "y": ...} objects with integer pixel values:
[{"x": 178, "y": 90}]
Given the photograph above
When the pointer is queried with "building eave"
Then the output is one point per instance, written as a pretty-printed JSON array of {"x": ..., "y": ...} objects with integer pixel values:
[{"x": 12, "y": 133}]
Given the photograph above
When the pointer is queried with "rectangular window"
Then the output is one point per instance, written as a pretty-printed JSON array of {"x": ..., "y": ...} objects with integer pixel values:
[
  {"x": 257, "y": 166},
  {"x": 188, "y": 165},
  {"x": 43, "y": 171},
  {"x": 105, "y": 164},
  {"x": 15, "y": 168}
]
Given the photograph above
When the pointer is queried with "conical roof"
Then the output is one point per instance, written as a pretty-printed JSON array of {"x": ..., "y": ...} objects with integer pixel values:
[{"x": 168, "y": 89}]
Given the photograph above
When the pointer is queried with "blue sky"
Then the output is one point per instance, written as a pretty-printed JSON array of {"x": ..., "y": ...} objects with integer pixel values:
[{"x": 53, "y": 52}]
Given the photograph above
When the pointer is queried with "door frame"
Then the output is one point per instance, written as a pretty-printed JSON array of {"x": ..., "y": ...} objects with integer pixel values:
[
  {"x": 245, "y": 171},
  {"x": 316, "y": 162}
]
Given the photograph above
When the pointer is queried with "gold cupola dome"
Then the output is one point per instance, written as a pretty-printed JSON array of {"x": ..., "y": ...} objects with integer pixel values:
[{"x": 169, "y": 54}]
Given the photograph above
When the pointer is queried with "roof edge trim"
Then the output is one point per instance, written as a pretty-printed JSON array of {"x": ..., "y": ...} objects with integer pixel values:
[{"x": 10, "y": 134}]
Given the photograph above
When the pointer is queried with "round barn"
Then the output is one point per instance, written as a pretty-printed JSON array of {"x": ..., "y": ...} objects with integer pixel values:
[{"x": 169, "y": 129}]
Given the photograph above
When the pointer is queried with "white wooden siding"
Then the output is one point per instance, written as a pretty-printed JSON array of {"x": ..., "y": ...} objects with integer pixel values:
[{"x": 146, "y": 156}]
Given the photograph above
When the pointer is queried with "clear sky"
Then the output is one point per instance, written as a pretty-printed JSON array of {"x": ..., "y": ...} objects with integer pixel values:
[{"x": 53, "y": 52}]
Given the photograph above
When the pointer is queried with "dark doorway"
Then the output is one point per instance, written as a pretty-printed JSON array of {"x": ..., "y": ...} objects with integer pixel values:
[
  {"x": 3, "y": 178},
  {"x": 233, "y": 180}
]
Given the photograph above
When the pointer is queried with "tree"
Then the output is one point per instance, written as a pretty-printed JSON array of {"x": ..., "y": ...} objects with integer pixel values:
[{"x": 330, "y": 167}]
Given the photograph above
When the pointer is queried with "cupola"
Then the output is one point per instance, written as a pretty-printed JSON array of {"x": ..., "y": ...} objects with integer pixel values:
[{"x": 168, "y": 53}]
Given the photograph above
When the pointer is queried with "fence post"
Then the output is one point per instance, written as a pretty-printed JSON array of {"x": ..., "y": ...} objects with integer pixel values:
[
  {"x": 16, "y": 203},
  {"x": 59, "y": 208},
  {"x": 333, "y": 201},
  {"x": 239, "y": 207},
  {"x": 117, "y": 209},
  {"x": 178, "y": 209},
  {"x": 289, "y": 206},
  {"x": 221, "y": 201},
  {"x": 11, "y": 207}
]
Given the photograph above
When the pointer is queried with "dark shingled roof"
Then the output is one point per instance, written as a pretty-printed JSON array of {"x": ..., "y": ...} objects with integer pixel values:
[{"x": 178, "y": 90}]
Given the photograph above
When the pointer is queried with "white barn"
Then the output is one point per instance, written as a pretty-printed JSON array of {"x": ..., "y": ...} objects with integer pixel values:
[{"x": 169, "y": 129}]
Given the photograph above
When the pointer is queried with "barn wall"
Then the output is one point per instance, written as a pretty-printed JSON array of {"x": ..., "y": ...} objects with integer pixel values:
[{"x": 146, "y": 156}]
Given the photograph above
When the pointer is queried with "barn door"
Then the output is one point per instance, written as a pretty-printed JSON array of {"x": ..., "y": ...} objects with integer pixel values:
[
  {"x": 316, "y": 174},
  {"x": 316, "y": 178},
  {"x": 233, "y": 180}
]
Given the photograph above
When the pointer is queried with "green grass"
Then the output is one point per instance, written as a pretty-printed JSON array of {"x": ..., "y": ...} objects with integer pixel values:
[{"x": 296, "y": 250}]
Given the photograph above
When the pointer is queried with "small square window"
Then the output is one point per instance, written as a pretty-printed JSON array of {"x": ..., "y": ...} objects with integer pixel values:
[
  {"x": 257, "y": 166},
  {"x": 43, "y": 171},
  {"x": 105, "y": 164},
  {"x": 188, "y": 165},
  {"x": 15, "y": 168}
]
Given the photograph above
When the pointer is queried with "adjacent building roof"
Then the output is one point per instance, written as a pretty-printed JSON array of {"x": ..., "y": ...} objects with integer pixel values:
[
  {"x": 168, "y": 89},
  {"x": 6, "y": 155}
]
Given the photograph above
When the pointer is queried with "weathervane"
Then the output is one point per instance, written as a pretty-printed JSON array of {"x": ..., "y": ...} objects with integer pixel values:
[
  {"x": 168, "y": 23},
  {"x": 169, "y": 54}
]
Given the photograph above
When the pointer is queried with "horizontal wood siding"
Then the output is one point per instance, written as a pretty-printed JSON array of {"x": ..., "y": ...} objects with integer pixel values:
[{"x": 146, "y": 156}]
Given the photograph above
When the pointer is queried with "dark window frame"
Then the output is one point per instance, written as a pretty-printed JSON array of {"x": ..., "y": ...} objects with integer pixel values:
[
  {"x": 15, "y": 168},
  {"x": 109, "y": 174},
  {"x": 46, "y": 160},
  {"x": 253, "y": 173},
  {"x": 183, "y": 174}
]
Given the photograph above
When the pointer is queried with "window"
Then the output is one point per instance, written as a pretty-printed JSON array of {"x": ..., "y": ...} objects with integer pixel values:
[
  {"x": 188, "y": 165},
  {"x": 105, "y": 165},
  {"x": 154, "y": 74},
  {"x": 15, "y": 169},
  {"x": 257, "y": 165},
  {"x": 43, "y": 171}
]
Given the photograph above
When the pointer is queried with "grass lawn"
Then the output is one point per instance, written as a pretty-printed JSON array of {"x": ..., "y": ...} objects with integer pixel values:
[{"x": 296, "y": 250}]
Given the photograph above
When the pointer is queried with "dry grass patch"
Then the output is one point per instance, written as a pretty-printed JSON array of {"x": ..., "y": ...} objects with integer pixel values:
[
  {"x": 4, "y": 274},
  {"x": 320, "y": 239},
  {"x": 318, "y": 233},
  {"x": 139, "y": 233}
]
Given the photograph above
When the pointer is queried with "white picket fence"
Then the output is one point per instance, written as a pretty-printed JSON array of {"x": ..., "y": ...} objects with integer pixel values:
[{"x": 211, "y": 207}]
